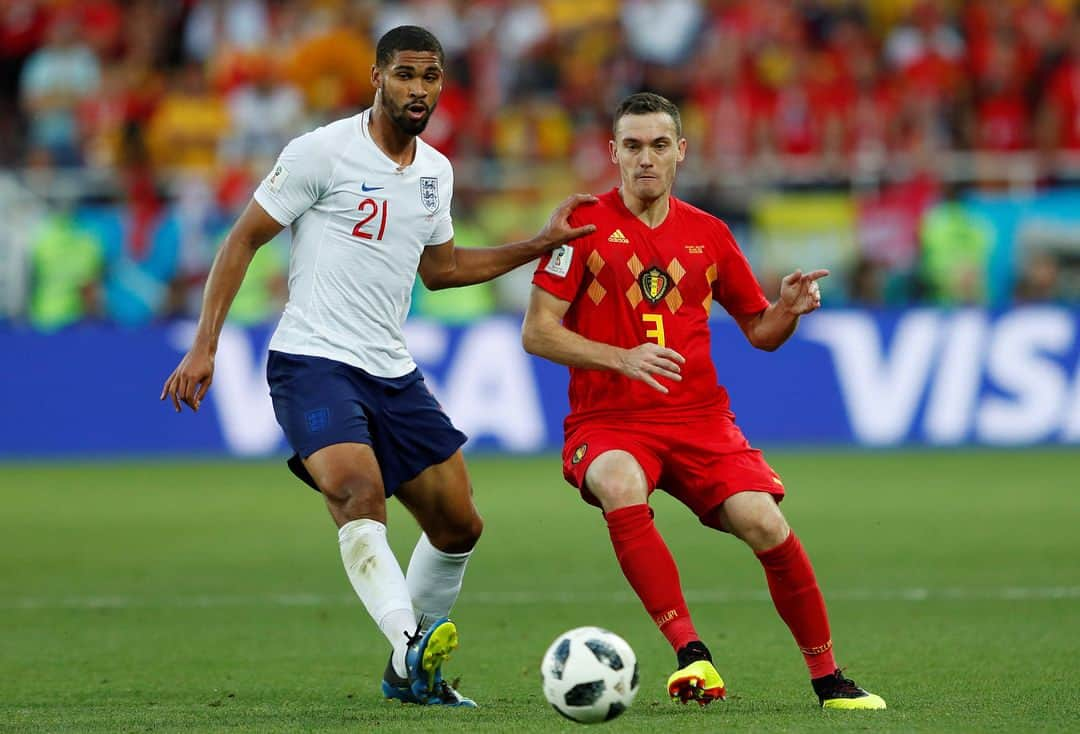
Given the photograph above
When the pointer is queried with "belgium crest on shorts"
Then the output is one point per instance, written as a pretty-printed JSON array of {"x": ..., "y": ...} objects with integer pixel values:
[
  {"x": 429, "y": 193},
  {"x": 654, "y": 284}
]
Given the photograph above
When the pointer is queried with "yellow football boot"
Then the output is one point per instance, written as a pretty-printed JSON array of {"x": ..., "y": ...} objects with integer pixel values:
[
  {"x": 837, "y": 692},
  {"x": 696, "y": 679}
]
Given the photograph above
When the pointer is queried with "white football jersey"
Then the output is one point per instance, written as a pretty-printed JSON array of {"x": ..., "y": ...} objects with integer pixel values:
[{"x": 359, "y": 226}]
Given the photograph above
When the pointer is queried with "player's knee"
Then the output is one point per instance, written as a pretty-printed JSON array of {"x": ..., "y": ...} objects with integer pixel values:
[
  {"x": 614, "y": 493},
  {"x": 471, "y": 532},
  {"x": 616, "y": 480},
  {"x": 763, "y": 531},
  {"x": 348, "y": 488},
  {"x": 458, "y": 537}
]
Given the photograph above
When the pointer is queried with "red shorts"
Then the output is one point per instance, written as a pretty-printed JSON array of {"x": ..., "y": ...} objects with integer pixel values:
[{"x": 700, "y": 461}]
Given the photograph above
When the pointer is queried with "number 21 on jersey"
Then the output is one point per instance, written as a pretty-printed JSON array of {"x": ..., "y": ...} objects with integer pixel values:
[
  {"x": 657, "y": 330},
  {"x": 370, "y": 208}
]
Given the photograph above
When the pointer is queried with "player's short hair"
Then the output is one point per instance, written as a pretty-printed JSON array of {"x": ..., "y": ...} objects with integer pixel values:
[
  {"x": 646, "y": 103},
  {"x": 406, "y": 38}
]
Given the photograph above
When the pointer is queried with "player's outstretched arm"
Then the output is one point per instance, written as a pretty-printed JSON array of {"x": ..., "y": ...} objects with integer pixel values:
[
  {"x": 799, "y": 294},
  {"x": 191, "y": 379},
  {"x": 544, "y": 335},
  {"x": 444, "y": 266}
]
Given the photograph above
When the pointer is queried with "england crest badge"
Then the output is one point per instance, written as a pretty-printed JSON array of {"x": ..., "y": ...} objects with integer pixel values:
[{"x": 429, "y": 193}]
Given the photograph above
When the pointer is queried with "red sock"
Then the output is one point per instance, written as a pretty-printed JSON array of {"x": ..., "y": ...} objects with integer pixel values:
[
  {"x": 798, "y": 599},
  {"x": 648, "y": 566}
]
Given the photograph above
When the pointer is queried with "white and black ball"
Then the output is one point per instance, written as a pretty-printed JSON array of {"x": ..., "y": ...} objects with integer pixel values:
[{"x": 590, "y": 675}]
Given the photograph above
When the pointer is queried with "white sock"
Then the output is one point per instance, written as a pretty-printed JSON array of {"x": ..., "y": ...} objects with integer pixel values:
[
  {"x": 434, "y": 580},
  {"x": 376, "y": 576}
]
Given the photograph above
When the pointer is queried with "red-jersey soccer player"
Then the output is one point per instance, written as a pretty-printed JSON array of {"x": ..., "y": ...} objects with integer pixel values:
[{"x": 626, "y": 308}]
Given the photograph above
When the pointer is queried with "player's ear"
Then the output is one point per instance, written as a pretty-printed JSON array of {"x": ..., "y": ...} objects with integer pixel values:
[
  {"x": 376, "y": 76},
  {"x": 682, "y": 150},
  {"x": 613, "y": 149}
]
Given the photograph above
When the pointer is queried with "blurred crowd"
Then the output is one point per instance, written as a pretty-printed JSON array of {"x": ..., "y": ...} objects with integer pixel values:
[{"x": 132, "y": 131}]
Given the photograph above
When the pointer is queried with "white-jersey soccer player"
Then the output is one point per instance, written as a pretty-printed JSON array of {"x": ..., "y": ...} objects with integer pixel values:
[
  {"x": 369, "y": 207},
  {"x": 360, "y": 223}
]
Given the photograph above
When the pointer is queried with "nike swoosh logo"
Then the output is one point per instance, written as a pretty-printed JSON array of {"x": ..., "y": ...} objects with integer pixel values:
[{"x": 365, "y": 188}]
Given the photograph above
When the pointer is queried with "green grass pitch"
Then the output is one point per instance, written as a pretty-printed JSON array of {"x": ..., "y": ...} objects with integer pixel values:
[{"x": 209, "y": 596}]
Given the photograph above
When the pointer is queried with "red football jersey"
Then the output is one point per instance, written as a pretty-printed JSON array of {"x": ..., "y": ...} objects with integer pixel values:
[{"x": 628, "y": 284}]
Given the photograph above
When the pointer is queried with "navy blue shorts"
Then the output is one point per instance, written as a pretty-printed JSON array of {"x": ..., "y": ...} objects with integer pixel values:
[{"x": 320, "y": 402}]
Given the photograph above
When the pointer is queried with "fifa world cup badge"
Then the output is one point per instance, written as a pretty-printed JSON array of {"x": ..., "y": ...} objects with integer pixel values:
[
  {"x": 559, "y": 264},
  {"x": 277, "y": 177}
]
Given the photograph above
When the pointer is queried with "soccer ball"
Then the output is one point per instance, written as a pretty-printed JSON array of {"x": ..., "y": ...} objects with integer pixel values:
[{"x": 589, "y": 675}]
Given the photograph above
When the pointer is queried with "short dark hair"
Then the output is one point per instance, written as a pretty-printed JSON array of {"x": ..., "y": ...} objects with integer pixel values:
[
  {"x": 406, "y": 38},
  {"x": 645, "y": 103}
]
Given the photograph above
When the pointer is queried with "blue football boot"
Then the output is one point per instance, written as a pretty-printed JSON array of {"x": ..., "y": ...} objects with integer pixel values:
[
  {"x": 394, "y": 687},
  {"x": 423, "y": 660}
]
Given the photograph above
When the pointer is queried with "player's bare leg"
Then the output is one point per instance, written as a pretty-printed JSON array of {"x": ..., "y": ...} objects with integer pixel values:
[
  {"x": 440, "y": 499},
  {"x": 617, "y": 480},
  {"x": 619, "y": 483},
  {"x": 349, "y": 478},
  {"x": 755, "y": 518}
]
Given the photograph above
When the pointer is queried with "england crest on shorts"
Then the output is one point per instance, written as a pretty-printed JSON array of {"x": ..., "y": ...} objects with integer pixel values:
[{"x": 429, "y": 193}]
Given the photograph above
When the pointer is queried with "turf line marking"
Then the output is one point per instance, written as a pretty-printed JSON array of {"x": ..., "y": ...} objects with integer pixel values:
[{"x": 523, "y": 598}]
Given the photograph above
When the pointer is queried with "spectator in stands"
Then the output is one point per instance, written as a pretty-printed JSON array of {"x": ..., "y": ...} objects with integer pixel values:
[
  {"x": 331, "y": 62},
  {"x": 187, "y": 127},
  {"x": 265, "y": 289},
  {"x": 443, "y": 18},
  {"x": 1059, "y": 124},
  {"x": 999, "y": 119},
  {"x": 955, "y": 251},
  {"x": 792, "y": 111},
  {"x": 264, "y": 114},
  {"x": 926, "y": 34},
  {"x": 142, "y": 244},
  {"x": 224, "y": 26},
  {"x": 1040, "y": 279},
  {"x": 65, "y": 271},
  {"x": 662, "y": 32},
  {"x": 22, "y": 27},
  {"x": 723, "y": 97},
  {"x": 102, "y": 23},
  {"x": 104, "y": 118},
  {"x": 888, "y": 223},
  {"x": 875, "y": 94},
  {"x": 662, "y": 35},
  {"x": 536, "y": 128},
  {"x": 870, "y": 112},
  {"x": 866, "y": 285},
  {"x": 1042, "y": 26},
  {"x": 205, "y": 216},
  {"x": 55, "y": 79}
]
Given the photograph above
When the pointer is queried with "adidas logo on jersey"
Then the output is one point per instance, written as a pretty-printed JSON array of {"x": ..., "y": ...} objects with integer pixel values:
[{"x": 618, "y": 236}]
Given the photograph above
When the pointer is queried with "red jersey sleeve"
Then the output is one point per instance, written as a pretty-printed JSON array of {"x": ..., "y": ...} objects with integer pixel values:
[
  {"x": 561, "y": 271},
  {"x": 736, "y": 288}
]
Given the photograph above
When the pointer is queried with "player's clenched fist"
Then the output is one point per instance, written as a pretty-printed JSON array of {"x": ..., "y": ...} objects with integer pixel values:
[
  {"x": 190, "y": 380},
  {"x": 648, "y": 361}
]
